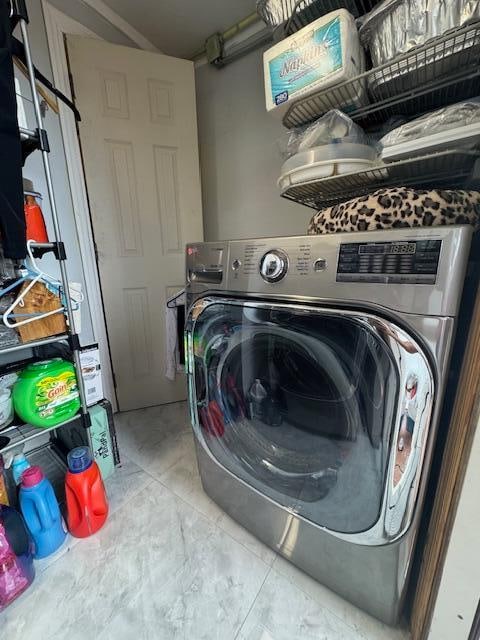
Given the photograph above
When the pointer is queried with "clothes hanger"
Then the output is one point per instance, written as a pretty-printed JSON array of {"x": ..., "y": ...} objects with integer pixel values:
[
  {"x": 171, "y": 302},
  {"x": 37, "y": 275}
]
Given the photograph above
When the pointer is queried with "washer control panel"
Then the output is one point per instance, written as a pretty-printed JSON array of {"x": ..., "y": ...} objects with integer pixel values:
[{"x": 412, "y": 262}]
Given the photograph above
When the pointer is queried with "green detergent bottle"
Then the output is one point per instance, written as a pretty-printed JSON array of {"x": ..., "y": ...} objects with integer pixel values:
[{"x": 46, "y": 393}]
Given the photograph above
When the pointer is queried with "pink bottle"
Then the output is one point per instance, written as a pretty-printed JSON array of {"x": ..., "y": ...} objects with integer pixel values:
[{"x": 16, "y": 558}]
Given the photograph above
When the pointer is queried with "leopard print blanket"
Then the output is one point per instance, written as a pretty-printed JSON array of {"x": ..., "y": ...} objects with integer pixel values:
[{"x": 396, "y": 208}]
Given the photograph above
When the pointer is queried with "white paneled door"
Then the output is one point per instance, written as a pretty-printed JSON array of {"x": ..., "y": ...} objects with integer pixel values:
[{"x": 139, "y": 141}]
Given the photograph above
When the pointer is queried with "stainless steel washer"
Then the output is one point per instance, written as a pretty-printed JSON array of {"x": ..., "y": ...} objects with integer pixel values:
[{"x": 316, "y": 369}]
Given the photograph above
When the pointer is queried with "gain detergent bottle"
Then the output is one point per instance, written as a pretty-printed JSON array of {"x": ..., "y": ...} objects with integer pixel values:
[{"x": 46, "y": 393}]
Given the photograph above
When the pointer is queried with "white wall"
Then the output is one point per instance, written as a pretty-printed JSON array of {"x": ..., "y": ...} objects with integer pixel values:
[
  {"x": 239, "y": 157},
  {"x": 460, "y": 585},
  {"x": 84, "y": 14}
]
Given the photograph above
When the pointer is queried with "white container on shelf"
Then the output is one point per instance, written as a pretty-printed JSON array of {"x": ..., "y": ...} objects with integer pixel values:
[
  {"x": 467, "y": 137},
  {"x": 326, "y": 161},
  {"x": 456, "y": 126},
  {"x": 321, "y": 55},
  {"x": 6, "y": 407}
]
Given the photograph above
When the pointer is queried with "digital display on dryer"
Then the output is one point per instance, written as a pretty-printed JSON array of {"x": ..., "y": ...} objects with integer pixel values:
[
  {"x": 375, "y": 248},
  {"x": 389, "y": 262}
]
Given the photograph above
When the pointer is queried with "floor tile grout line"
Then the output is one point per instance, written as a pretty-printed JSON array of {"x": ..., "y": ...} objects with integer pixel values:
[
  {"x": 134, "y": 495},
  {"x": 144, "y": 468},
  {"x": 360, "y": 630},
  {"x": 310, "y": 597},
  {"x": 253, "y": 603},
  {"x": 217, "y": 526},
  {"x": 79, "y": 540},
  {"x": 189, "y": 504},
  {"x": 268, "y": 564},
  {"x": 138, "y": 490},
  {"x": 214, "y": 522}
]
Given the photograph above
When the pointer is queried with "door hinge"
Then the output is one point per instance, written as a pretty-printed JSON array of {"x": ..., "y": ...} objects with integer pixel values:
[{"x": 114, "y": 378}]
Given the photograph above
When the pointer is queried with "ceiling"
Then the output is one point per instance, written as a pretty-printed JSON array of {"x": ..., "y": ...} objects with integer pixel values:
[{"x": 180, "y": 27}]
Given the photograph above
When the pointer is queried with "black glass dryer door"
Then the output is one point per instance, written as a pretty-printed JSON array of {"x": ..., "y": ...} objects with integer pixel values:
[{"x": 300, "y": 403}]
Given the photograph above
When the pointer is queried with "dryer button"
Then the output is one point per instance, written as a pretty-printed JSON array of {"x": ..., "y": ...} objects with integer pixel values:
[
  {"x": 320, "y": 264},
  {"x": 236, "y": 264}
]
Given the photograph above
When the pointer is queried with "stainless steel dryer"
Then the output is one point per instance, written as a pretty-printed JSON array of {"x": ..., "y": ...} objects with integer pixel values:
[{"x": 316, "y": 369}]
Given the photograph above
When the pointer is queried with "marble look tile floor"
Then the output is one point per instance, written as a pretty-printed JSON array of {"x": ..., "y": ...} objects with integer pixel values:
[{"x": 170, "y": 564}]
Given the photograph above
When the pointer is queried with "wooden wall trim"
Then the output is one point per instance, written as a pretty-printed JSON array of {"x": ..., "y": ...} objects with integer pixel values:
[{"x": 459, "y": 440}]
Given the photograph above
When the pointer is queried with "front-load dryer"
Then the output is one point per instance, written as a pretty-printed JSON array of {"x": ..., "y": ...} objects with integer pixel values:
[{"x": 316, "y": 369}]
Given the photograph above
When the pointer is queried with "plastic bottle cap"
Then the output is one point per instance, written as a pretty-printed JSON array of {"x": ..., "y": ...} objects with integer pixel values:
[
  {"x": 32, "y": 476},
  {"x": 79, "y": 459}
]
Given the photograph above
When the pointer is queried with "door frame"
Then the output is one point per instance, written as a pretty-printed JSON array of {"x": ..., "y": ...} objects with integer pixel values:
[{"x": 57, "y": 25}]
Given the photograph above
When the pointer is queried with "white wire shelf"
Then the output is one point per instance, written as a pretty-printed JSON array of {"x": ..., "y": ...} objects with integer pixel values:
[
  {"x": 442, "y": 71},
  {"x": 446, "y": 169}
]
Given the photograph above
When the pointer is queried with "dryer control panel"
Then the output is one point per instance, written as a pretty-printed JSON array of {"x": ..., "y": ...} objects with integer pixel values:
[
  {"x": 363, "y": 267},
  {"x": 407, "y": 262}
]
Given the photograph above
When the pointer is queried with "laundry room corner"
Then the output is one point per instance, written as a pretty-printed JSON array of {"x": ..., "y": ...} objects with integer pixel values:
[
  {"x": 240, "y": 145},
  {"x": 239, "y": 319}
]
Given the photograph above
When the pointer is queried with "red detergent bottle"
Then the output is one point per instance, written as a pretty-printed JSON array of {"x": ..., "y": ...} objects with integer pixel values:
[{"x": 87, "y": 506}]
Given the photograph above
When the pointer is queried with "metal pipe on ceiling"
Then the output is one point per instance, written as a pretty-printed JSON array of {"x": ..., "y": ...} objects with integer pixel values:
[{"x": 231, "y": 32}]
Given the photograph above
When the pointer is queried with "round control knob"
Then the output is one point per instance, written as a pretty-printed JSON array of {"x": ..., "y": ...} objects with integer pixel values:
[{"x": 274, "y": 265}]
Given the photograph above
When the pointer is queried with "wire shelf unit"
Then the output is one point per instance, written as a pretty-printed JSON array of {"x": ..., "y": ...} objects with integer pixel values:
[
  {"x": 446, "y": 169},
  {"x": 307, "y": 11},
  {"x": 33, "y": 344},
  {"x": 19, "y": 435},
  {"x": 53, "y": 467},
  {"x": 29, "y": 140},
  {"x": 286, "y": 17},
  {"x": 442, "y": 71},
  {"x": 37, "y": 139}
]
